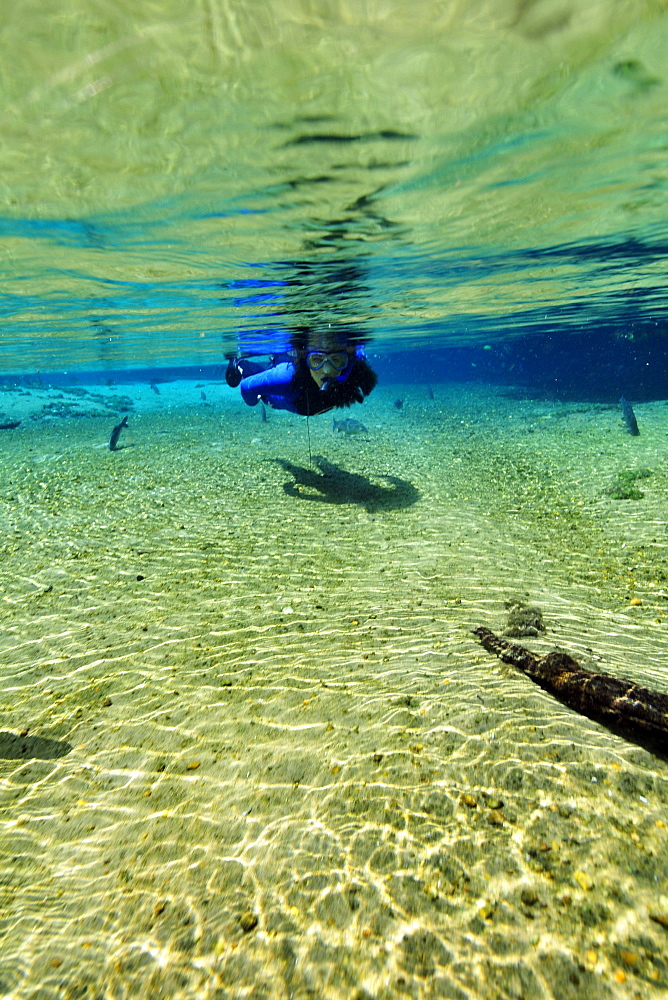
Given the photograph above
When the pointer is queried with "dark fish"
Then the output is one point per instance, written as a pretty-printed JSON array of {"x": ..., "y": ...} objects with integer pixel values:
[
  {"x": 263, "y": 413},
  {"x": 9, "y": 425},
  {"x": 349, "y": 426},
  {"x": 430, "y": 392},
  {"x": 202, "y": 396},
  {"x": 155, "y": 388},
  {"x": 611, "y": 700},
  {"x": 629, "y": 417},
  {"x": 116, "y": 433},
  {"x": 398, "y": 404}
]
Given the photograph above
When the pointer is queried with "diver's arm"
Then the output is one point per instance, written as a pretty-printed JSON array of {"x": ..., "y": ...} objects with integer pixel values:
[{"x": 276, "y": 381}]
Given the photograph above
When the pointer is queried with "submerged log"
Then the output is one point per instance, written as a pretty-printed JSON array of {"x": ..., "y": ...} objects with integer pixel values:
[{"x": 611, "y": 700}]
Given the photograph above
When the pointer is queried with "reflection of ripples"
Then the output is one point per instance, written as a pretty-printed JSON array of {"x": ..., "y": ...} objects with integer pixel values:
[{"x": 291, "y": 769}]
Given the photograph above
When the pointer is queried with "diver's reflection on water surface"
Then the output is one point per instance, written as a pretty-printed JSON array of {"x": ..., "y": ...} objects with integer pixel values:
[{"x": 316, "y": 308}]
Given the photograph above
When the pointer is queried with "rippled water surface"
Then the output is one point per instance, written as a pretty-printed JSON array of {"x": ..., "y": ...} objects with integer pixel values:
[{"x": 440, "y": 173}]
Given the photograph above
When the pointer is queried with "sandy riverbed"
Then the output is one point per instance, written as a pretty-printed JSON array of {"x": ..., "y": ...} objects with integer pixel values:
[{"x": 250, "y": 746}]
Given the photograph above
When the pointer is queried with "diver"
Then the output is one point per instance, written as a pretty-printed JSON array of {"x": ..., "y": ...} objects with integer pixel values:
[{"x": 305, "y": 380}]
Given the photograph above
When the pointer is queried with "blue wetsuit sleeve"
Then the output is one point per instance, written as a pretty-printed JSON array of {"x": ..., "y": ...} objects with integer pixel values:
[{"x": 274, "y": 386}]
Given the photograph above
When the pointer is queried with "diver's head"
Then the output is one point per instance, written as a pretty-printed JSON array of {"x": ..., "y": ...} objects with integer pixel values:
[{"x": 329, "y": 366}]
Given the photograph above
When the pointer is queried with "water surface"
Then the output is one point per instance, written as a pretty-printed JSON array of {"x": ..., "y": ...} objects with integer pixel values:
[{"x": 172, "y": 176}]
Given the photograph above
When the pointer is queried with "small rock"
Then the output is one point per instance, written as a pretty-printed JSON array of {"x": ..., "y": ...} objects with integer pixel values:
[
  {"x": 528, "y": 897},
  {"x": 659, "y": 917},
  {"x": 493, "y": 802},
  {"x": 584, "y": 880},
  {"x": 523, "y": 619},
  {"x": 248, "y": 921}
]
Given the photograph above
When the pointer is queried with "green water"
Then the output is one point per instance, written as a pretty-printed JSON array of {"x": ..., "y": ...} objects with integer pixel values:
[{"x": 187, "y": 142}]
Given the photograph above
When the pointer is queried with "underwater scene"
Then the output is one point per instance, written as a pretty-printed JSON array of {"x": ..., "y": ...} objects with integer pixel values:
[{"x": 334, "y": 500}]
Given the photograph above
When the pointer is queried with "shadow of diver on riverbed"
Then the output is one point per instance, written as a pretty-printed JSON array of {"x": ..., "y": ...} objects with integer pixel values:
[
  {"x": 332, "y": 484},
  {"x": 25, "y": 747}
]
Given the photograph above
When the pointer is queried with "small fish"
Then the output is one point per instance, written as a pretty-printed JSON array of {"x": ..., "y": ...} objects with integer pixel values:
[
  {"x": 155, "y": 388},
  {"x": 349, "y": 426},
  {"x": 430, "y": 392},
  {"x": 263, "y": 413},
  {"x": 629, "y": 417},
  {"x": 116, "y": 433},
  {"x": 9, "y": 425},
  {"x": 398, "y": 404},
  {"x": 202, "y": 396}
]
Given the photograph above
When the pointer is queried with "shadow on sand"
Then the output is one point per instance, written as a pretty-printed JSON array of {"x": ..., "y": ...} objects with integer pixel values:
[
  {"x": 13, "y": 747},
  {"x": 332, "y": 484}
]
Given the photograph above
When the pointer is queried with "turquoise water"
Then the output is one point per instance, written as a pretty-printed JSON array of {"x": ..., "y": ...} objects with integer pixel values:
[{"x": 250, "y": 747}]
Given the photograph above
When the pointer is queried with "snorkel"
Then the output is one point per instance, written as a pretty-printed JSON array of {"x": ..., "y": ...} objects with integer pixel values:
[{"x": 332, "y": 380}]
